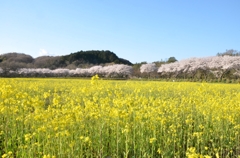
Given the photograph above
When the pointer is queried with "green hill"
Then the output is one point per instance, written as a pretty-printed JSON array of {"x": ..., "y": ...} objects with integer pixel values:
[
  {"x": 14, "y": 60},
  {"x": 95, "y": 57}
]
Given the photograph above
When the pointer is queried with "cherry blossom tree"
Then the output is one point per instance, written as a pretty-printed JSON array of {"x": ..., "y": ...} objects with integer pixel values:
[
  {"x": 95, "y": 70},
  {"x": 117, "y": 70},
  {"x": 148, "y": 68},
  {"x": 123, "y": 70},
  {"x": 217, "y": 65}
]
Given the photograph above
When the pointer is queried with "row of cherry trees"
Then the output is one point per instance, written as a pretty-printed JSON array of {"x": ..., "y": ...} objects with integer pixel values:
[
  {"x": 209, "y": 67},
  {"x": 117, "y": 70}
]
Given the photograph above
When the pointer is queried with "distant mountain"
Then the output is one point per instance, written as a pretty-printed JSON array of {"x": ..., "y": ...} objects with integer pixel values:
[{"x": 15, "y": 60}]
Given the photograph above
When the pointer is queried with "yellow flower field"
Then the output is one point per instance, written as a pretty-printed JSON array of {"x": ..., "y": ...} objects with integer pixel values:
[{"x": 97, "y": 118}]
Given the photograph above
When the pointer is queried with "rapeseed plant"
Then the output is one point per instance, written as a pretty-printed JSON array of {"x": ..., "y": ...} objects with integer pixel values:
[{"x": 97, "y": 118}]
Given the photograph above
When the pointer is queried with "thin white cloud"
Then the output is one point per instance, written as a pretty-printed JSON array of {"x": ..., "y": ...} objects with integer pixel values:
[{"x": 43, "y": 52}]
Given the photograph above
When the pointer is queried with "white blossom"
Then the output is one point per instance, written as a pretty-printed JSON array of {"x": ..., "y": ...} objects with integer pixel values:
[
  {"x": 95, "y": 70},
  {"x": 148, "y": 68},
  {"x": 111, "y": 70},
  {"x": 117, "y": 70},
  {"x": 217, "y": 65}
]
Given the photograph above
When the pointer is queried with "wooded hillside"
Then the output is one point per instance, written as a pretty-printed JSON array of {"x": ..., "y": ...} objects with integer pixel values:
[{"x": 14, "y": 61}]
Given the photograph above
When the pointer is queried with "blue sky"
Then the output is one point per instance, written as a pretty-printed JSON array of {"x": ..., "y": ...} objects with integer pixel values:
[{"x": 136, "y": 30}]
